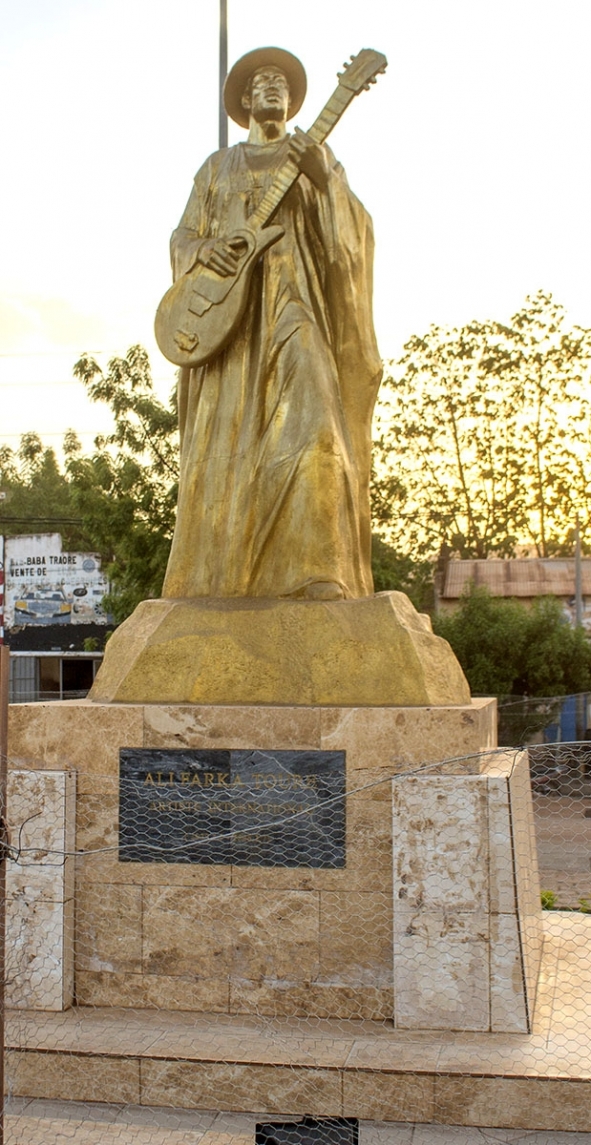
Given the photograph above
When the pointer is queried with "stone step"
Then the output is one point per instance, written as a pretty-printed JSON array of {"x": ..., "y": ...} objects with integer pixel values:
[{"x": 327, "y": 1068}]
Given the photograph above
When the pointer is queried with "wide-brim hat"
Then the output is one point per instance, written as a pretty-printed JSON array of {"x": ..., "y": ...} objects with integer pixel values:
[{"x": 247, "y": 65}]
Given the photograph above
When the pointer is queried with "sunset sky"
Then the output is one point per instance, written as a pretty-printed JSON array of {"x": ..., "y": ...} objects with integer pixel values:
[{"x": 472, "y": 153}]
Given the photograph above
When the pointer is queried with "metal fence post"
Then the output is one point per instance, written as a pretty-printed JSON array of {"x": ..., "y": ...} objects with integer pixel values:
[{"x": 4, "y": 677}]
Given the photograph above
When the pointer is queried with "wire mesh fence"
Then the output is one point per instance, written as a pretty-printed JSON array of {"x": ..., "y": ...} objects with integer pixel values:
[
  {"x": 535, "y": 720},
  {"x": 561, "y": 788},
  {"x": 265, "y": 946}
]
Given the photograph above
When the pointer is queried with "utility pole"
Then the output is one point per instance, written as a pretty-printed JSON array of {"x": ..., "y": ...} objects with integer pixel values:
[
  {"x": 578, "y": 577},
  {"x": 580, "y": 702},
  {"x": 223, "y": 118}
]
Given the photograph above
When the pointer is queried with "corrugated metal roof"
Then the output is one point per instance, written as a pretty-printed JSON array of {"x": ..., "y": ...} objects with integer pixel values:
[{"x": 552, "y": 576}]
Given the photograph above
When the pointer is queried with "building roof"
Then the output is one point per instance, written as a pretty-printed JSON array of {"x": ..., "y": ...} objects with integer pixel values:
[{"x": 552, "y": 576}]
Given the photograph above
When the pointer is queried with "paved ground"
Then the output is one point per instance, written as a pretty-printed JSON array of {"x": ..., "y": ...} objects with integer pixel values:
[
  {"x": 563, "y": 834},
  {"x": 58, "y": 1123}
]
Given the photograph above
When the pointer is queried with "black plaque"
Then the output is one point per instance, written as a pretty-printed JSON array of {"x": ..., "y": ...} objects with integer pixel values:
[{"x": 250, "y": 808}]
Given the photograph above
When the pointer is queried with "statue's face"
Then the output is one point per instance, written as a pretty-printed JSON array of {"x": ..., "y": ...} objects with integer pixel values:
[{"x": 267, "y": 96}]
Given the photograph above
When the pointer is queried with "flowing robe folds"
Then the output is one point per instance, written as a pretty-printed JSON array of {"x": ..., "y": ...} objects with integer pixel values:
[{"x": 275, "y": 431}]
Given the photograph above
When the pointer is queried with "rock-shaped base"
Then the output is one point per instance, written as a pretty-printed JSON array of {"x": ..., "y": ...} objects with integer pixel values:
[{"x": 374, "y": 651}]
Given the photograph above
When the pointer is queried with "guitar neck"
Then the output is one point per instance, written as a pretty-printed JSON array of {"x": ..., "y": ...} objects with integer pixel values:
[{"x": 289, "y": 173}]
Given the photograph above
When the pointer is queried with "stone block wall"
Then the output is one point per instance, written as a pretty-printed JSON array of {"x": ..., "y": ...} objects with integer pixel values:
[
  {"x": 233, "y": 939},
  {"x": 40, "y": 890}
]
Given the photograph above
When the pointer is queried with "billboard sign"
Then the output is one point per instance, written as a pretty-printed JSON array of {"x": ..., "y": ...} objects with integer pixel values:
[{"x": 43, "y": 585}]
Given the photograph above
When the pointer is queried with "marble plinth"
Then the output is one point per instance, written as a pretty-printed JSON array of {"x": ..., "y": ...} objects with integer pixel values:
[
  {"x": 277, "y": 941},
  {"x": 375, "y": 651},
  {"x": 467, "y": 917},
  {"x": 40, "y": 890}
]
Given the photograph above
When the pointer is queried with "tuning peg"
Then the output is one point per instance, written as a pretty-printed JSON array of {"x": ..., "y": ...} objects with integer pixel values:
[
  {"x": 353, "y": 57},
  {"x": 346, "y": 65}
]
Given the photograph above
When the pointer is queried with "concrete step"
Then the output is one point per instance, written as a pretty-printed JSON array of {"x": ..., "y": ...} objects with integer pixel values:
[{"x": 327, "y": 1068}]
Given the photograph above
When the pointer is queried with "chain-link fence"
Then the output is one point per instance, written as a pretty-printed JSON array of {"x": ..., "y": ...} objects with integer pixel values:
[{"x": 258, "y": 946}]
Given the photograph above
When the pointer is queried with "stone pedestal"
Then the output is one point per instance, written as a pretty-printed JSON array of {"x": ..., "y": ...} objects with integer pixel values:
[
  {"x": 432, "y": 926},
  {"x": 375, "y": 651},
  {"x": 237, "y": 939}
]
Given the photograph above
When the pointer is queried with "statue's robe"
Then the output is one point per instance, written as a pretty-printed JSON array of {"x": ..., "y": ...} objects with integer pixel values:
[{"x": 275, "y": 431}]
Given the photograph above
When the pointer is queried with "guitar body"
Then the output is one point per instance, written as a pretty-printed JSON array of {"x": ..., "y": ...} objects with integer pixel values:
[{"x": 199, "y": 314}]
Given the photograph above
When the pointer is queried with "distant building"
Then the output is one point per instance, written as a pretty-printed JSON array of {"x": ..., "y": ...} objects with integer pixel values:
[
  {"x": 523, "y": 580},
  {"x": 52, "y": 605}
]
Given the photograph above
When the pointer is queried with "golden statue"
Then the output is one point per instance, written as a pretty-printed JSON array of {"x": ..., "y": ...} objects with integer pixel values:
[
  {"x": 275, "y": 425},
  {"x": 268, "y": 596}
]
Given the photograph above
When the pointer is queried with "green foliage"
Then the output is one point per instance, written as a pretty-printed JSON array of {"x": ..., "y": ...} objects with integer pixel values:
[
  {"x": 488, "y": 636},
  {"x": 484, "y": 438},
  {"x": 508, "y": 649},
  {"x": 120, "y": 500},
  {"x": 144, "y": 428},
  {"x": 38, "y": 495},
  {"x": 126, "y": 490},
  {"x": 391, "y": 571},
  {"x": 550, "y": 902},
  {"x": 556, "y": 658}
]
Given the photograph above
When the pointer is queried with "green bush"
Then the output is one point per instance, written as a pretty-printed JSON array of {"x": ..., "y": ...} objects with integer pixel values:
[
  {"x": 506, "y": 648},
  {"x": 394, "y": 571}
]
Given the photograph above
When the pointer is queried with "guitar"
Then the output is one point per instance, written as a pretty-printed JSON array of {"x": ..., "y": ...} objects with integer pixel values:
[{"x": 200, "y": 313}]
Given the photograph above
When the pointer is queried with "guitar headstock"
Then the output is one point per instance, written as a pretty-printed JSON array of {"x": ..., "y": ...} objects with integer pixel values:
[{"x": 362, "y": 70}]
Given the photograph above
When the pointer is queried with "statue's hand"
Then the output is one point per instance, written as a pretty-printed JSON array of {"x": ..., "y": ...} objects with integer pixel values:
[
  {"x": 310, "y": 158},
  {"x": 221, "y": 255}
]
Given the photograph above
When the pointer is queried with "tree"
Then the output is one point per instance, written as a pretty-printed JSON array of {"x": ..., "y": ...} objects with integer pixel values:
[
  {"x": 120, "y": 500},
  {"x": 125, "y": 492},
  {"x": 507, "y": 649},
  {"x": 38, "y": 497},
  {"x": 393, "y": 571},
  {"x": 488, "y": 637},
  {"x": 556, "y": 658},
  {"x": 483, "y": 438}
]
